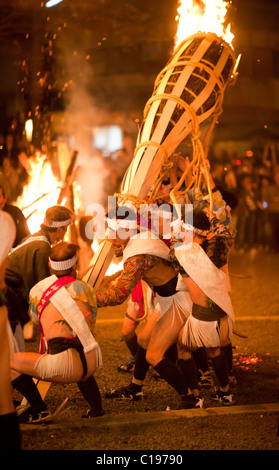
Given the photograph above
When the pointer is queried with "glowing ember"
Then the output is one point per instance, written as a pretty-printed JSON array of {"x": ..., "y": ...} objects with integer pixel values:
[
  {"x": 244, "y": 362},
  {"x": 206, "y": 16},
  {"x": 41, "y": 192}
]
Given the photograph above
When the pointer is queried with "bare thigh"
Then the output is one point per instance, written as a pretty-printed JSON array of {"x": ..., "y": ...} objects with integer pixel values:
[
  {"x": 224, "y": 338},
  {"x": 224, "y": 331},
  {"x": 25, "y": 363},
  {"x": 129, "y": 326},
  {"x": 182, "y": 351},
  {"x": 164, "y": 335},
  {"x": 145, "y": 335}
]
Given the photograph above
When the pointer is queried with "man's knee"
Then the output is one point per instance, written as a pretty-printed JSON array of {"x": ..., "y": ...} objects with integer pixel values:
[
  {"x": 127, "y": 335},
  {"x": 183, "y": 352},
  {"x": 213, "y": 352},
  {"x": 153, "y": 357},
  {"x": 143, "y": 340}
]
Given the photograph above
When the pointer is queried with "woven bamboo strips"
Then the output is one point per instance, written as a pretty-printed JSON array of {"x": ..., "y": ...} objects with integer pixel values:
[{"x": 187, "y": 92}]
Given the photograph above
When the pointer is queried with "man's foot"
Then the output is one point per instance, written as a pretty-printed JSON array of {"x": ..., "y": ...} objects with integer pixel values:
[
  {"x": 224, "y": 397},
  {"x": 124, "y": 393},
  {"x": 31, "y": 416},
  {"x": 191, "y": 401},
  {"x": 206, "y": 381},
  {"x": 128, "y": 366},
  {"x": 93, "y": 414}
]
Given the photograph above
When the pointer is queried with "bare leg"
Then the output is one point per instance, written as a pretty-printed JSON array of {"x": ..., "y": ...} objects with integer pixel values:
[
  {"x": 163, "y": 335},
  {"x": 6, "y": 402},
  {"x": 25, "y": 363},
  {"x": 145, "y": 335}
]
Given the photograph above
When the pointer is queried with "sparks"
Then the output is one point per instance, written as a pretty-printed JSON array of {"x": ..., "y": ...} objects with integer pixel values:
[{"x": 52, "y": 3}]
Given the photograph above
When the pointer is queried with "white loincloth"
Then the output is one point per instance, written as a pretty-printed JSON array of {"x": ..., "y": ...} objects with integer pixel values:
[
  {"x": 198, "y": 333},
  {"x": 180, "y": 303},
  {"x": 211, "y": 280},
  {"x": 68, "y": 308},
  {"x": 49, "y": 366}
]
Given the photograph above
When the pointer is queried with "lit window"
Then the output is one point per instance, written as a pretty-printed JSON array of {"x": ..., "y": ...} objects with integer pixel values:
[{"x": 108, "y": 139}]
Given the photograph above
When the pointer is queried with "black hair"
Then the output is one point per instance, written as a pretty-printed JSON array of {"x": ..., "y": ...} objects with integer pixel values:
[
  {"x": 229, "y": 198},
  {"x": 122, "y": 213},
  {"x": 197, "y": 217},
  {"x": 57, "y": 214},
  {"x": 61, "y": 252}
]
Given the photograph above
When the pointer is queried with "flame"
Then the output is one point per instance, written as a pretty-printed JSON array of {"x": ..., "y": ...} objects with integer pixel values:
[
  {"x": 113, "y": 267},
  {"x": 40, "y": 193},
  {"x": 206, "y": 16}
]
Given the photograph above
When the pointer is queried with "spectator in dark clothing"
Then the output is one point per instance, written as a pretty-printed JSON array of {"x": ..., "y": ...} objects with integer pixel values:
[
  {"x": 247, "y": 214},
  {"x": 272, "y": 196},
  {"x": 28, "y": 264}
]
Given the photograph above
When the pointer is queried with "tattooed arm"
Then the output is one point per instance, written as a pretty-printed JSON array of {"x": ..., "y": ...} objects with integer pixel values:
[{"x": 133, "y": 271}]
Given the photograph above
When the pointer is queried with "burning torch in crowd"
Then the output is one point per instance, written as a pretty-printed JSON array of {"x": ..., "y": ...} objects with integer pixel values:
[{"x": 187, "y": 92}]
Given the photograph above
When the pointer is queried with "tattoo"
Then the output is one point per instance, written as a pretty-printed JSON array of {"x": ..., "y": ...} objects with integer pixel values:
[{"x": 134, "y": 270}]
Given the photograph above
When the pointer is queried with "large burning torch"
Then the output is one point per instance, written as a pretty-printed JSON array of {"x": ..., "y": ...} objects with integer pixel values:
[{"x": 187, "y": 92}]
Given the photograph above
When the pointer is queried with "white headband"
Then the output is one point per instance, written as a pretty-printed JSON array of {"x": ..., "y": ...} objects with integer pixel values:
[
  {"x": 115, "y": 224},
  {"x": 63, "y": 265},
  {"x": 56, "y": 223},
  {"x": 176, "y": 224}
]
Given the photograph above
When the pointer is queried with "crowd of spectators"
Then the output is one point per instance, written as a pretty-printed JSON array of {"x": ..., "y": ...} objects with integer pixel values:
[
  {"x": 256, "y": 215},
  {"x": 13, "y": 171},
  {"x": 253, "y": 182}
]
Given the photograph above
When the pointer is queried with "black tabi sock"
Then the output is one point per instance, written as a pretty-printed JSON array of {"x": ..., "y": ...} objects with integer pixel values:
[
  {"x": 220, "y": 367},
  {"x": 90, "y": 391},
  {"x": 171, "y": 374},
  {"x": 134, "y": 387},
  {"x": 141, "y": 364},
  {"x": 25, "y": 385},
  {"x": 132, "y": 345},
  {"x": 189, "y": 371},
  {"x": 171, "y": 353},
  {"x": 201, "y": 359},
  {"x": 229, "y": 355},
  {"x": 9, "y": 432}
]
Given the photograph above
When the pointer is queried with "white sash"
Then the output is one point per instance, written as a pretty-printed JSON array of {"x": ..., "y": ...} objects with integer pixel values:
[
  {"x": 212, "y": 281},
  {"x": 68, "y": 308}
]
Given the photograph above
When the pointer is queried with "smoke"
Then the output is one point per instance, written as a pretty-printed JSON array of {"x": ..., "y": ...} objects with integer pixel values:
[{"x": 75, "y": 72}]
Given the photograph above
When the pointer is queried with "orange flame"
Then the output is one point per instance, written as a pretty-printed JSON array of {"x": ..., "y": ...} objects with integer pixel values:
[
  {"x": 41, "y": 192},
  {"x": 206, "y": 16},
  {"x": 113, "y": 267}
]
